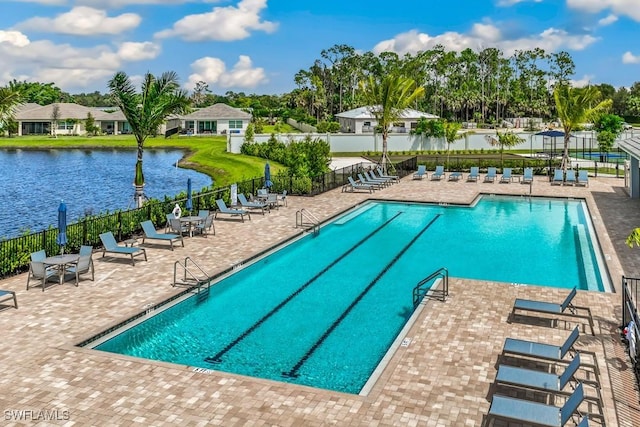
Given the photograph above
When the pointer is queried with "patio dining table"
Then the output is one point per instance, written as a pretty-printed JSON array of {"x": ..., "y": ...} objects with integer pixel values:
[
  {"x": 61, "y": 262},
  {"x": 191, "y": 222}
]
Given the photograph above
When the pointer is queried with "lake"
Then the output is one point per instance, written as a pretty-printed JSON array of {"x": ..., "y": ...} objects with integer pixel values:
[{"x": 89, "y": 181}]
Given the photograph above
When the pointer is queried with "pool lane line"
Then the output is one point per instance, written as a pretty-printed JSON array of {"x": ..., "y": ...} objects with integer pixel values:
[
  {"x": 293, "y": 373},
  {"x": 218, "y": 357}
]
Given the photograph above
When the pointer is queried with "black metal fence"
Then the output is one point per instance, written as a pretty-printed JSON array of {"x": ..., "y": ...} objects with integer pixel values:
[
  {"x": 15, "y": 253},
  {"x": 631, "y": 321}
]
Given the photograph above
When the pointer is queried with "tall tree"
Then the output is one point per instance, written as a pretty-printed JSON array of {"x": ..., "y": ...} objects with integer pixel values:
[
  {"x": 10, "y": 100},
  {"x": 147, "y": 110},
  {"x": 55, "y": 116},
  {"x": 387, "y": 99},
  {"x": 576, "y": 106}
]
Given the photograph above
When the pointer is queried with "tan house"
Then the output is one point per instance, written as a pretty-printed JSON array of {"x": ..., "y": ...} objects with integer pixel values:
[
  {"x": 219, "y": 119},
  {"x": 361, "y": 120}
]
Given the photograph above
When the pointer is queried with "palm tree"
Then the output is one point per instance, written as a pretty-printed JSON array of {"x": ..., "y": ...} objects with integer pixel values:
[
  {"x": 451, "y": 135},
  {"x": 10, "y": 100},
  {"x": 145, "y": 111},
  {"x": 576, "y": 106},
  {"x": 387, "y": 99}
]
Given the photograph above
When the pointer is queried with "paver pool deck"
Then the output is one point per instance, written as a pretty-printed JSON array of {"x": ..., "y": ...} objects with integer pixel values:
[{"x": 444, "y": 377}]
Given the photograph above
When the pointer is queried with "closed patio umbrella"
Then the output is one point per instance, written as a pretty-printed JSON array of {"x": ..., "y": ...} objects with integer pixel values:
[
  {"x": 61, "y": 240},
  {"x": 189, "y": 204},
  {"x": 267, "y": 176}
]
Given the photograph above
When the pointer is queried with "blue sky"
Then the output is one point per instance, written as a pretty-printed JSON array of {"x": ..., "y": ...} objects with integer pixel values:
[{"x": 257, "y": 46}]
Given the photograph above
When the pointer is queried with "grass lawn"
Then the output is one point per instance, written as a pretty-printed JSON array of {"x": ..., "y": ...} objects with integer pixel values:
[{"x": 203, "y": 154}]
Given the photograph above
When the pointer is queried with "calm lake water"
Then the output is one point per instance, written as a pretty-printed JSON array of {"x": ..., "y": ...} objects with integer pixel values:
[{"x": 34, "y": 182}]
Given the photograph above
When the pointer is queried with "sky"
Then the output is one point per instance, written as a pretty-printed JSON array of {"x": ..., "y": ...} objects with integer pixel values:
[{"x": 257, "y": 46}]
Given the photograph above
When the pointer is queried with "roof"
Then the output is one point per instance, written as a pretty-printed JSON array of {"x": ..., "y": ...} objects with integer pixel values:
[
  {"x": 365, "y": 113},
  {"x": 65, "y": 111},
  {"x": 631, "y": 146},
  {"x": 218, "y": 111}
]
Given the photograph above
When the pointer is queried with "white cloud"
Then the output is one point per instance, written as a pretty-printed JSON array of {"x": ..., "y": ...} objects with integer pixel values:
[
  {"x": 583, "y": 82},
  {"x": 607, "y": 20},
  {"x": 507, "y": 3},
  {"x": 138, "y": 51},
  {"x": 482, "y": 36},
  {"x": 630, "y": 58},
  {"x": 213, "y": 71},
  {"x": 629, "y": 8},
  {"x": 222, "y": 23},
  {"x": 83, "y": 20},
  {"x": 15, "y": 38}
]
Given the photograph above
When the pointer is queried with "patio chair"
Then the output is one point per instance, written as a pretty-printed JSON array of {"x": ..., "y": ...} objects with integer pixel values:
[
  {"x": 179, "y": 228},
  {"x": 527, "y": 176},
  {"x": 252, "y": 205},
  {"x": 506, "y": 176},
  {"x": 421, "y": 172},
  {"x": 205, "y": 226},
  {"x": 150, "y": 233},
  {"x": 372, "y": 177},
  {"x": 9, "y": 295},
  {"x": 438, "y": 174},
  {"x": 570, "y": 179},
  {"x": 167, "y": 226},
  {"x": 558, "y": 177},
  {"x": 474, "y": 174},
  {"x": 376, "y": 184},
  {"x": 203, "y": 213},
  {"x": 111, "y": 246},
  {"x": 223, "y": 209},
  {"x": 492, "y": 175},
  {"x": 525, "y": 411},
  {"x": 39, "y": 271},
  {"x": 539, "y": 380},
  {"x": 394, "y": 178},
  {"x": 84, "y": 264},
  {"x": 353, "y": 186},
  {"x": 566, "y": 308},
  {"x": 583, "y": 177},
  {"x": 282, "y": 198}
]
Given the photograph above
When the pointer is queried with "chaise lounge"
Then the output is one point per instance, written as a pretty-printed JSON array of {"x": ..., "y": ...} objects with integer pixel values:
[
  {"x": 223, "y": 209},
  {"x": 9, "y": 295},
  {"x": 544, "y": 381},
  {"x": 566, "y": 308},
  {"x": 252, "y": 205},
  {"x": 111, "y": 246},
  {"x": 421, "y": 172},
  {"x": 151, "y": 233},
  {"x": 352, "y": 185}
]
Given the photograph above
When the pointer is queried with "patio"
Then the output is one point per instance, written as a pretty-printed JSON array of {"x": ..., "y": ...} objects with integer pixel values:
[{"x": 444, "y": 377}]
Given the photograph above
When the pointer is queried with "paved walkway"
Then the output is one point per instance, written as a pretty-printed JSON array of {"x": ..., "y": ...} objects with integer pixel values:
[{"x": 444, "y": 377}]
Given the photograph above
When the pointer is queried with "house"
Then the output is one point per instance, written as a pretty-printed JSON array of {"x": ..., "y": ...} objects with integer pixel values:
[
  {"x": 35, "y": 119},
  {"x": 361, "y": 120},
  {"x": 215, "y": 119},
  {"x": 631, "y": 146}
]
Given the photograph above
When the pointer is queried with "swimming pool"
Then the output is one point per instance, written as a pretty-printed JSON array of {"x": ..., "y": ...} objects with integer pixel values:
[{"x": 322, "y": 311}]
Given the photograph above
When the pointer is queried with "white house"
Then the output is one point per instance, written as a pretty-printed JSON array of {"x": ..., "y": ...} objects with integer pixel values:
[
  {"x": 215, "y": 119},
  {"x": 361, "y": 120}
]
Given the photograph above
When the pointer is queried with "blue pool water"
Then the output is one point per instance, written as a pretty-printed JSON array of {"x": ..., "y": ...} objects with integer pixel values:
[{"x": 323, "y": 311}]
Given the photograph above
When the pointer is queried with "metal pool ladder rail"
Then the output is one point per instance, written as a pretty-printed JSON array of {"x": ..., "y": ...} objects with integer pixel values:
[
  {"x": 193, "y": 276},
  {"x": 308, "y": 221},
  {"x": 442, "y": 292}
]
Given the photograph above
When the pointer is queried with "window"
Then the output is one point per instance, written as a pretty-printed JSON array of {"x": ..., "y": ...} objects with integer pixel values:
[
  {"x": 63, "y": 124},
  {"x": 235, "y": 124}
]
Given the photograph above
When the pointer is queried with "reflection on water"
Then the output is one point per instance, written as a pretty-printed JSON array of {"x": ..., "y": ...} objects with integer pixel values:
[{"x": 34, "y": 182}]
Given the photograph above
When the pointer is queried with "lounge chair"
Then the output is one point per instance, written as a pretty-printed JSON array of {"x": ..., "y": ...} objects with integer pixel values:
[
  {"x": 39, "y": 271},
  {"x": 474, "y": 174},
  {"x": 84, "y": 264},
  {"x": 438, "y": 174},
  {"x": 539, "y": 380},
  {"x": 150, "y": 233},
  {"x": 421, "y": 172},
  {"x": 538, "y": 350},
  {"x": 558, "y": 177},
  {"x": 376, "y": 184},
  {"x": 9, "y": 295},
  {"x": 583, "y": 177},
  {"x": 205, "y": 226},
  {"x": 252, "y": 205},
  {"x": 371, "y": 177},
  {"x": 570, "y": 179},
  {"x": 506, "y": 175},
  {"x": 353, "y": 186},
  {"x": 566, "y": 308},
  {"x": 111, "y": 246},
  {"x": 223, "y": 209},
  {"x": 527, "y": 177},
  {"x": 492, "y": 175},
  {"x": 525, "y": 411},
  {"x": 394, "y": 178},
  {"x": 455, "y": 176}
]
